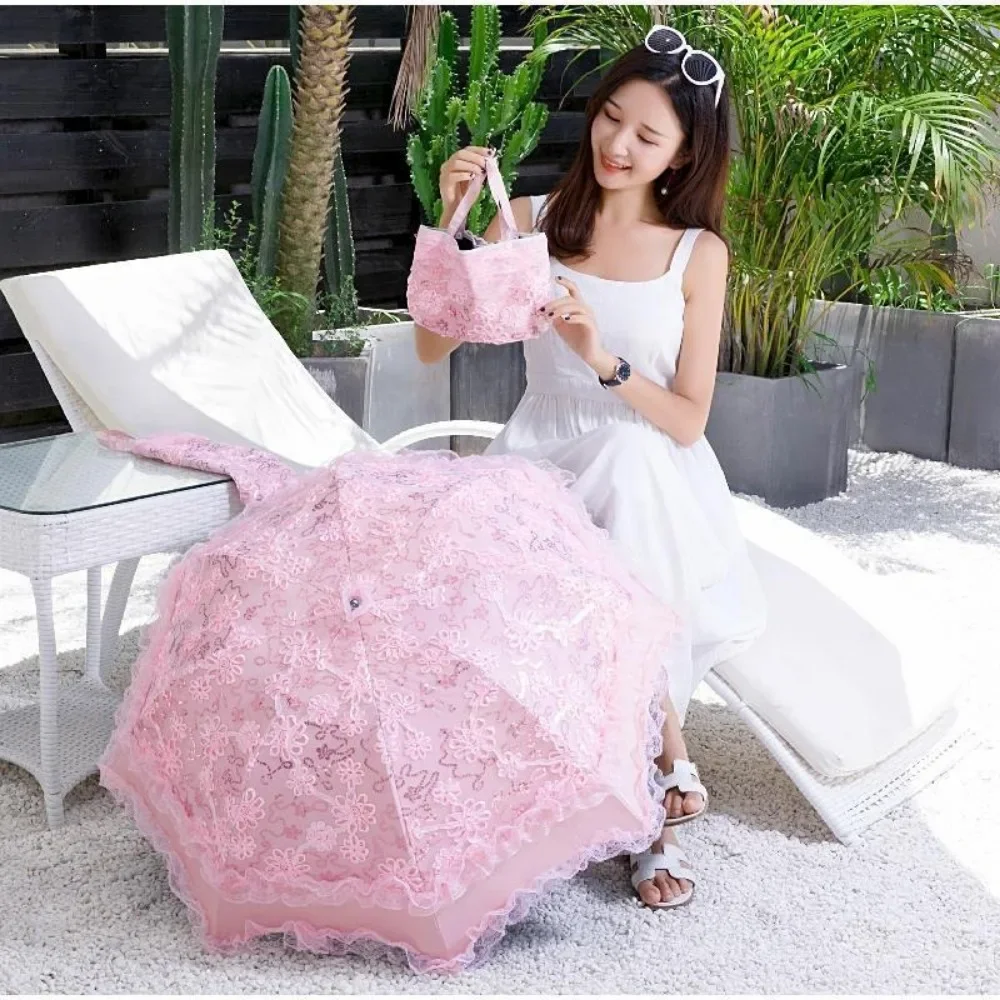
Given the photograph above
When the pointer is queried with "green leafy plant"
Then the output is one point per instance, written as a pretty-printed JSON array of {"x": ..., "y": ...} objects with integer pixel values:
[
  {"x": 283, "y": 308},
  {"x": 490, "y": 108},
  {"x": 889, "y": 288},
  {"x": 194, "y": 38},
  {"x": 848, "y": 118}
]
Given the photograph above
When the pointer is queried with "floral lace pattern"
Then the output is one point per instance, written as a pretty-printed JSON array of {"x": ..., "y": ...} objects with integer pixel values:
[
  {"x": 489, "y": 295},
  {"x": 383, "y": 685}
]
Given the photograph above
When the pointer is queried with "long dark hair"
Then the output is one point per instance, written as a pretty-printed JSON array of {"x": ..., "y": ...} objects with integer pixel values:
[{"x": 696, "y": 191}]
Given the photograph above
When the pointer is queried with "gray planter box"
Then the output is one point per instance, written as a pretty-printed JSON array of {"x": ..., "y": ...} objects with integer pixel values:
[
  {"x": 974, "y": 442},
  {"x": 387, "y": 389},
  {"x": 345, "y": 381},
  {"x": 845, "y": 332},
  {"x": 784, "y": 440},
  {"x": 912, "y": 352},
  {"x": 487, "y": 383}
]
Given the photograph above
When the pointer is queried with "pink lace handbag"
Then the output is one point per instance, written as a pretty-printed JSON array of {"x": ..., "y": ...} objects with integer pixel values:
[{"x": 489, "y": 294}]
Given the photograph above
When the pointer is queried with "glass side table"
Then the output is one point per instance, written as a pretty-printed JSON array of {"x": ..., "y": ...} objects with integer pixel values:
[{"x": 69, "y": 504}]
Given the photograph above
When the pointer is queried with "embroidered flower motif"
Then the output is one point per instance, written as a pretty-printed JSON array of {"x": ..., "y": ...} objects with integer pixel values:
[
  {"x": 354, "y": 850},
  {"x": 246, "y": 812},
  {"x": 473, "y": 740},
  {"x": 321, "y": 836},
  {"x": 468, "y": 819},
  {"x": 285, "y": 864},
  {"x": 352, "y": 812},
  {"x": 350, "y": 772},
  {"x": 301, "y": 781}
]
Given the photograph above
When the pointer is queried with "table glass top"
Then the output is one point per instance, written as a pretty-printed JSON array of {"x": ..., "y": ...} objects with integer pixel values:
[{"x": 74, "y": 472}]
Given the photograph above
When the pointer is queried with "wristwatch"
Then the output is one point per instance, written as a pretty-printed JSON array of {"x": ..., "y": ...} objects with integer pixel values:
[{"x": 622, "y": 372}]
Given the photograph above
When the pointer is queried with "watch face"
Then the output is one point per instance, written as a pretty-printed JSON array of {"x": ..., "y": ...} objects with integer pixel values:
[{"x": 623, "y": 371}]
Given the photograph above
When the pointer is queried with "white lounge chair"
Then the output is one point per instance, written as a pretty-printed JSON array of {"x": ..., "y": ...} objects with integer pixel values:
[{"x": 857, "y": 713}]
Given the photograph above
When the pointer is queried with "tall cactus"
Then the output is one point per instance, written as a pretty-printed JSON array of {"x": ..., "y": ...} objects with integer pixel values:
[
  {"x": 270, "y": 166},
  {"x": 338, "y": 250},
  {"x": 194, "y": 38},
  {"x": 320, "y": 93},
  {"x": 494, "y": 109}
]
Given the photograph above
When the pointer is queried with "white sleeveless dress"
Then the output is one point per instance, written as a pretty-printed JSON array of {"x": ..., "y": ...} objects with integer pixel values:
[{"x": 667, "y": 506}]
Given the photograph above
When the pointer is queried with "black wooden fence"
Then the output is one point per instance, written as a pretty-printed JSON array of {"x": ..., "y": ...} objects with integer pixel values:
[{"x": 84, "y": 139}]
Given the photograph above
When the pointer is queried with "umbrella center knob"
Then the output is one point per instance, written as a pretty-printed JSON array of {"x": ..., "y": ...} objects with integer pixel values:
[{"x": 355, "y": 603}]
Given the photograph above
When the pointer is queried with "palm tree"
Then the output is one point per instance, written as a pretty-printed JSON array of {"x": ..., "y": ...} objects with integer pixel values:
[
  {"x": 847, "y": 118},
  {"x": 320, "y": 96}
]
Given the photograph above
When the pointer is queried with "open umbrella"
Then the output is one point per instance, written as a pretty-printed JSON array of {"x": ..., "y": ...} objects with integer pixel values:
[{"x": 390, "y": 703}]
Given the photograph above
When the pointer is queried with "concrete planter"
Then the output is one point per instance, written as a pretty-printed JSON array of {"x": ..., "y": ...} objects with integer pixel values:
[
  {"x": 912, "y": 353},
  {"x": 387, "y": 389},
  {"x": 974, "y": 440},
  {"x": 785, "y": 439},
  {"x": 487, "y": 383}
]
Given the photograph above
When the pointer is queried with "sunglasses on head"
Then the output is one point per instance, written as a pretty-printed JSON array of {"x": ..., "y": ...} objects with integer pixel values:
[{"x": 699, "y": 67}]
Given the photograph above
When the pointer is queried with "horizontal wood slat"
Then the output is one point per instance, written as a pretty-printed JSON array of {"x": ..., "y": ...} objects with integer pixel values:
[
  {"x": 22, "y": 384},
  {"x": 28, "y": 432},
  {"x": 30, "y": 24},
  {"x": 139, "y": 86},
  {"x": 123, "y": 160},
  {"x": 61, "y": 235}
]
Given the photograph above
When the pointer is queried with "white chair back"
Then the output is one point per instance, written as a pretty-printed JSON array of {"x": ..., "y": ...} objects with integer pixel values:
[{"x": 177, "y": 343}]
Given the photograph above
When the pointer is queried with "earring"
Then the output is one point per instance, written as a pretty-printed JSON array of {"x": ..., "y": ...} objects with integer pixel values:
[{"x": 663, "y": 190}]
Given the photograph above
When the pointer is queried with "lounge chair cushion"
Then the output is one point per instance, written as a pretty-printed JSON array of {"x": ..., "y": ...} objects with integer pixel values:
[
  {"x": 844, "y": 672},
  {"x": 177, "y": 343}
]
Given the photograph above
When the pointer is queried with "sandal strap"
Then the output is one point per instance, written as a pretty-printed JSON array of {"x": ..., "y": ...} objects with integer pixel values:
[
  {"x": 684, "y": 777},
  {"x": 669, "y": 859}
]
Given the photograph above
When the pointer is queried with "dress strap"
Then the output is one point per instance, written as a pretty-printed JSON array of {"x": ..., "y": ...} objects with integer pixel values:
[{"x": 682, "y": 253}]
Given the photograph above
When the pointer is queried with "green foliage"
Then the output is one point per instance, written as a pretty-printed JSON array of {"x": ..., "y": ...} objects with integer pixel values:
[
  {"x": 194, "y": 38},
  {"x": 242, "y": 241},
  {"x": 848, "y": 119},
  {"x": 492, "y": 108}
]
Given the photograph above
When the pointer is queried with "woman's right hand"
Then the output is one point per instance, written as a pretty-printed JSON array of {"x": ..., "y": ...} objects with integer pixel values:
[{"x": 456, "y": 172}]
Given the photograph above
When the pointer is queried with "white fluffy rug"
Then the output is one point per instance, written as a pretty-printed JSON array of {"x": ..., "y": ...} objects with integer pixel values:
[{"x": 781, "y": 907}]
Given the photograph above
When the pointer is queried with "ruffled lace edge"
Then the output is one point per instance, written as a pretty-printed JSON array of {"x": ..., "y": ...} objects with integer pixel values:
[
  {"x": 305, "y": 937},
  {"x": 483, "y": 939}
]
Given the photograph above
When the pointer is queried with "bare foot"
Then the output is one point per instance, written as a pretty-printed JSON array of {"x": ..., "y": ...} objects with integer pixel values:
[
  {"x": 676, "y": 803},
  {"x": 664, "y": 887}
]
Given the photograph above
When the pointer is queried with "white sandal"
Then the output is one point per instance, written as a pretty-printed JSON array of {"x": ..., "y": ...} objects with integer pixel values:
[
  {"x": 670, "y": 859},
  {"x": 683, "y": 777}
]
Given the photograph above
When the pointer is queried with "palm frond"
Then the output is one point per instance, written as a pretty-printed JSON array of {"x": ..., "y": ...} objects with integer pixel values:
[{"x": 417, "y": 59}]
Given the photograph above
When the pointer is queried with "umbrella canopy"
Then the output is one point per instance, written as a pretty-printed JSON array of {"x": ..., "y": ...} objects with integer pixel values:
[{"x": 392, "y": 702}]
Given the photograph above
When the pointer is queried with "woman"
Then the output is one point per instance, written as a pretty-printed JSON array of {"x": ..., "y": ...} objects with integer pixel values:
[{"x": 619, "y": 392}]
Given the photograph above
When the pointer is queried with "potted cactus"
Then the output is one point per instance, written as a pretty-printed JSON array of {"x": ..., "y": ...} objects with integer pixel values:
[
  {"x": 194, "y": 40},
  {"x": 302, "y": 227},
  {"x": 492, "y": 109},
  {"x": 488, "y": 108}
]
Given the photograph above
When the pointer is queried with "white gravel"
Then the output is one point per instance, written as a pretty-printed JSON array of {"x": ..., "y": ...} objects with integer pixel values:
[{"x": 780, "y": 908}]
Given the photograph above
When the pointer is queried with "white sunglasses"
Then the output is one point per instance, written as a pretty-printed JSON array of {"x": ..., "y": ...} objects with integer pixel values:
[{"x": 666, "y": 41}]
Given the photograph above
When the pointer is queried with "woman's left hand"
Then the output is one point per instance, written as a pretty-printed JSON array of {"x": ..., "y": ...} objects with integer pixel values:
[{"x": 573, "y": 320}]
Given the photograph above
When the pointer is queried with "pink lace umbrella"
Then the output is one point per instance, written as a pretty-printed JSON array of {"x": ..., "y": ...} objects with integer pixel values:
[{"x": 390, "y": 703}]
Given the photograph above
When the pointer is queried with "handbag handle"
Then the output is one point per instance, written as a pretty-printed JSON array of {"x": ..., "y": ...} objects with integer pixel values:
[{"x": 508, "y": 224}]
